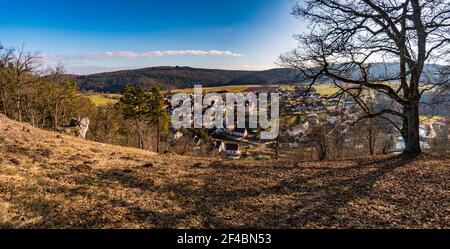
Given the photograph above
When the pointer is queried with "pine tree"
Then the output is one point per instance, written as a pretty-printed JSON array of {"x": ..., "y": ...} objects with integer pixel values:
[
  {"x": 158, "y": 114},
  {"x": 145, "y": 108},
  {"x": 135, "y": 106}
]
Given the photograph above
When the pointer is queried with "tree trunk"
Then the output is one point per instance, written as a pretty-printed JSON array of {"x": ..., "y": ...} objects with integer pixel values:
[
  {"x": 19, "y": 111},
  {"x": 4, "y": 105},
  {"x": 55, "y": 124},
  {"x": 412, "y": 143},
  {"x": 404, "y": 129},
  {"x": 276, "y": 148},
  {"x": 140, "y": 137},
  {"x": 55, "y": 121},
  {"x": 371, "y": 141},
  {"x": 321, "y": 153},
  {"x": 18, "y": 107},
  {"x": 158, "y": 134}
]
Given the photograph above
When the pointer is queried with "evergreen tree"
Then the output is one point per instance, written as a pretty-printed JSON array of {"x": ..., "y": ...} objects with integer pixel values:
[
  {"x": 135, "y": 106},
  {"x": 145, "y": 108},
  {"x": 158, "y": 114}
]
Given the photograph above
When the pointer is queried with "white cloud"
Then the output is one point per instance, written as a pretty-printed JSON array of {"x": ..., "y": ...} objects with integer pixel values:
[
  {"x": 159, "y": 53},
  {"x": 124, "y": 54},
  {"x": 52, "y": 58},
  {"x": 133, "y": 54},
  {"x": 85, "y": 70}
]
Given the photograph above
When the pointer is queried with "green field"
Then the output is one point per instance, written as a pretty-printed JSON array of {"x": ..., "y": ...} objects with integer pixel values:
[
  {"x": 233, "y": 89},
  {"x": 104, "y": 99},
  {"x": 429, "y": 119},
  {"x": 324, "y": 89}
]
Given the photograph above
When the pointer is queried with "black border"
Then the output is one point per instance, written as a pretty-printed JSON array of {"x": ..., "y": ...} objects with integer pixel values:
[{"x": 279, "y": 238}]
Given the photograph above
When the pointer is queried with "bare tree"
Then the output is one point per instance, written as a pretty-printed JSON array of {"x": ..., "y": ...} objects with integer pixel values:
[
  {"x": 41, "y": 96},
  {"x": 22, "y": 69},
  {"x": 5, "y": 63},
  {"x": 346, "y": 37}
]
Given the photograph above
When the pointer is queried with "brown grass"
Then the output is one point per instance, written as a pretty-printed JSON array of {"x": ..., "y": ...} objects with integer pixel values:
[{"x": 64, "y": 182}]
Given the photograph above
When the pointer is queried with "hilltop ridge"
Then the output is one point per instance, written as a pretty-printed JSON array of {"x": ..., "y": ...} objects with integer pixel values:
[
  {"x": 181, "y": 77},
  {"x": 186, "y": 77}
]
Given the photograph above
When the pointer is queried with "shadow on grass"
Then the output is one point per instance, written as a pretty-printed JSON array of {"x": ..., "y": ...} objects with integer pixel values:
[
  {"x": 228, "y": 197},
  {"x": 319, "y": 196}
]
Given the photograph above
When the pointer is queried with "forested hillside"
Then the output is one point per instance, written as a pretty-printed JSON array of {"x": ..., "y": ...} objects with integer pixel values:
[
  {"x": 186, "y": 77},
  {"x": 181, "y": 77}
]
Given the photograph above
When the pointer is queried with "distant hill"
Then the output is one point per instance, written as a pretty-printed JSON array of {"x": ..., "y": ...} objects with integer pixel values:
[
  {"x": 182, "y": 77},
  {"x": 186, "y": 77}
]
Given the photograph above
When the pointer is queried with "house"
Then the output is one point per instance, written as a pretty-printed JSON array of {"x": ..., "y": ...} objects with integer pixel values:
[
  {"x": 240, "y": 133},
  {"x": 293, "y": 145},
  {"x": 333, "y": 102},
  {"x": 234, "y": 134},
  {"x": 303, "y": 90},
  {"x": 253, "y": 130},
  {"x": 178, "y": 135},
  {"x": 218, "y": 146},
  {"x": 349, "y": 103},
  {"x": 298, "y": 120},
  {"x": 232, "y": 151},
  {"x": 312, "y": 119},
  {"x": 304, "y": 107},
  {"x": 197, "y": 140},
  {"x": 320, "y": 105},
  {"x": 440, "y": 128},
  {"x": 331, "y": 120},
  {"x": 298, "y": 130},
  {"x": 219, "y": 131},
  {"x": 262, "y": 157}
]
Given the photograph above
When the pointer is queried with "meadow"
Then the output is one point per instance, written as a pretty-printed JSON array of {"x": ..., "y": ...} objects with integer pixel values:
[{"x": 104, "y": 99}]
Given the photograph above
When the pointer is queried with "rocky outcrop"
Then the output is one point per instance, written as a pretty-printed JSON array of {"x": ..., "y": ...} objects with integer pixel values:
[
  {"x": 77, "y": 127},
  {"x": 83, "y": 127}
]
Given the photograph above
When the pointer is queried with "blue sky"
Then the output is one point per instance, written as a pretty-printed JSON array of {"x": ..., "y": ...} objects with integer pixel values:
[{"x": 99, "y": 35}]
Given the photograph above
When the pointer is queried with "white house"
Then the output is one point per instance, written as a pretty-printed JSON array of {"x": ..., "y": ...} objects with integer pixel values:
[
  {"x": 239, "y": 132},
  {"x": 232, "y": 151},
  {"x": 178, "y": 135},
  {"x": 218, "y": 146},
  {"x": 298, "y": 130}
]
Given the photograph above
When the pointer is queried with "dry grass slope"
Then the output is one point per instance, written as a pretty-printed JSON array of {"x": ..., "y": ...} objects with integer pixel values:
[{"x": 55, "y": 181}]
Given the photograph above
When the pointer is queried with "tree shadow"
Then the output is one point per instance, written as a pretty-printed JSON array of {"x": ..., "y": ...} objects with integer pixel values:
[
  {"x": 322, "y": 203},
  {"x": 232, "y": 196},
  {"x": 319, "y": 196}
]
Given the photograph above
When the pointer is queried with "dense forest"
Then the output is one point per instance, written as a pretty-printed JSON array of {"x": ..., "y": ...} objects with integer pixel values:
[{"x": 181, "y": 77}]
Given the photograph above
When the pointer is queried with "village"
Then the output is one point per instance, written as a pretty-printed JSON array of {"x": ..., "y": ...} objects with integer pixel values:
[{"x": 302, "y": 110}]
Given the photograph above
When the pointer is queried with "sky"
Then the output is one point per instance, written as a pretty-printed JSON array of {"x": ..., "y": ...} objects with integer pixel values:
[{"x": 90, "y": 36}]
